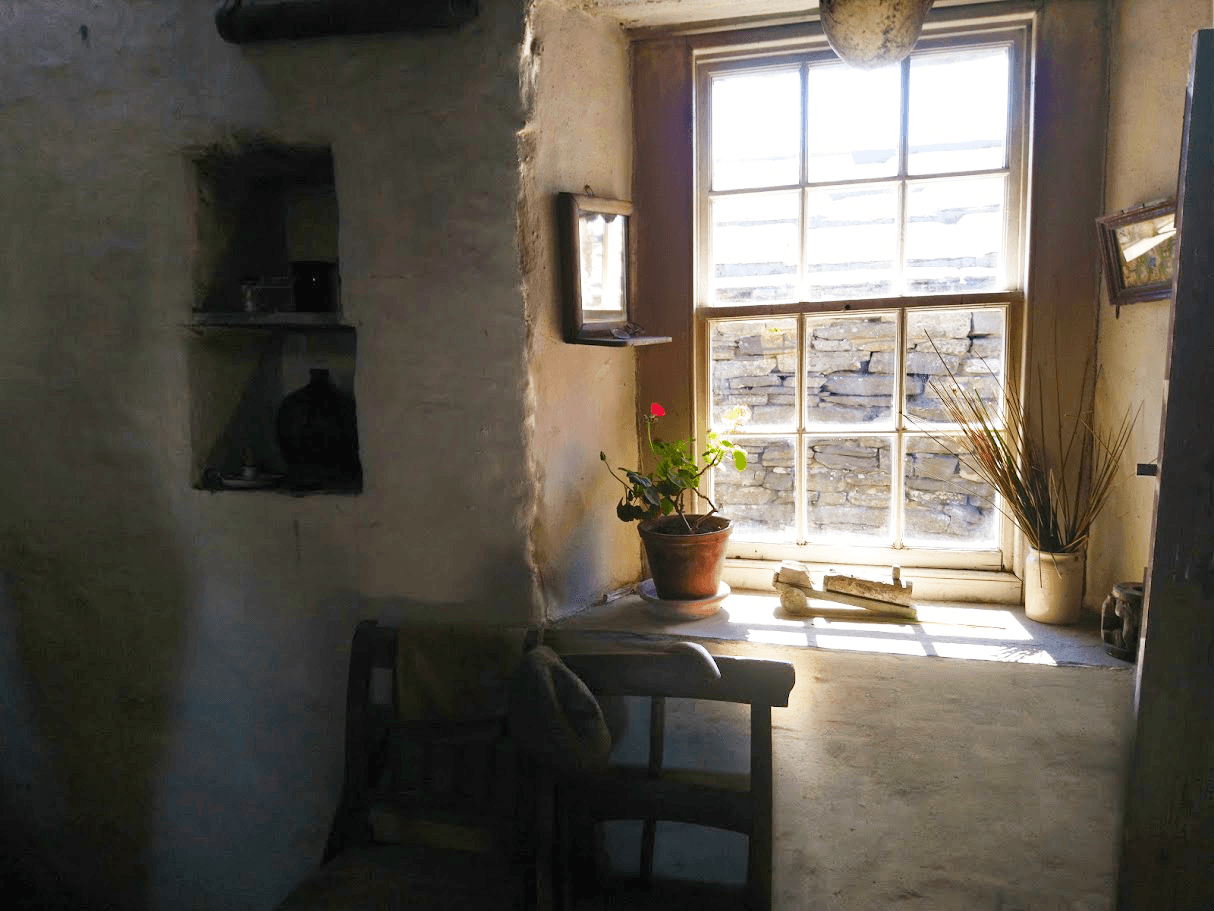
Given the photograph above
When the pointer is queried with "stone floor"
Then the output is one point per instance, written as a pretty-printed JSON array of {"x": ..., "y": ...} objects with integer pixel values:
[{"x": 906, "y": 776}]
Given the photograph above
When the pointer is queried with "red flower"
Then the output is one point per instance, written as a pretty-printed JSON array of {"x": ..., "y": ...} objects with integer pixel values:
[{"x": 657, "y": 410}]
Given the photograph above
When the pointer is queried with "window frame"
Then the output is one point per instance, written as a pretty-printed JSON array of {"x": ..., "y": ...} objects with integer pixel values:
[{"x": 744, "y": 53}]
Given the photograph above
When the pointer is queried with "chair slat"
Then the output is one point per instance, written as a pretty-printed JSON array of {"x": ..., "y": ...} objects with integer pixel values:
[{"x": 749, "y": 680}]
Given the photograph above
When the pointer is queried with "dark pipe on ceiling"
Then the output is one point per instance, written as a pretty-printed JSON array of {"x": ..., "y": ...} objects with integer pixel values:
[{"x": 244, "y": 21}]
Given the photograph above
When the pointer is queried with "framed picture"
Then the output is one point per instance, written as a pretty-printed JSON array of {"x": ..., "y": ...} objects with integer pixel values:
[
  {"x": 1136, "y": 251},
  {"x": 598, "y": 273}
]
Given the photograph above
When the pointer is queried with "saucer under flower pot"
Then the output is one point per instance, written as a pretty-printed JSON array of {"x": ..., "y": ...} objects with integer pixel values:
[{"x": 696, "y": 609}]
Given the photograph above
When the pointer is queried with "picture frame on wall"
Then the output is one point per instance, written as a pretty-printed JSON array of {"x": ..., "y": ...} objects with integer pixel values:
[
  {"x": 1137, "y": 248},
  {"x": 598, "y": 272}
]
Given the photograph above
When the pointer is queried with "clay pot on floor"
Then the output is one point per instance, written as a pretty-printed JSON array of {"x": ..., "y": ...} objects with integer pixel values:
[
  {"x": 1053, "y": 587},
  {"x": 685, "y": 567}
]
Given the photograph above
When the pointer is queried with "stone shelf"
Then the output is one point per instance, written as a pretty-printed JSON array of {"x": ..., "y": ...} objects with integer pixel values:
[
  {"x": 605, "y": 339},
  {"x": 242, "y": 320}
]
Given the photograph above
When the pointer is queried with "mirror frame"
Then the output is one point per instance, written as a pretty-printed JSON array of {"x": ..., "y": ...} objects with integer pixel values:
[{"x": 579, "y": 325}]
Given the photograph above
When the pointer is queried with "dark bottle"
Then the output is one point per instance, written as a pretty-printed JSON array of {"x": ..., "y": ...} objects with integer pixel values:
[{"x": 318, "y": 435}]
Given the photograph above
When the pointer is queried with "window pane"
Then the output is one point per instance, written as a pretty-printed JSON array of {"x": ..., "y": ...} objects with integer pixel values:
[
  {"x": 853, "y": 120},
  {"x": 947, "y": 504},
  {"x": 968, "y": 344},
  {"x": 847, "y": 487},
  {"x": 754, "y": 247},
  {"x": 753, "y": 374},
  {"x": 760, "y": 501},
  {"x": 954, "y": 235},
  {"x": 958, "y": 111},
  {"x": 756, "y": 119},
  {"x": 852, "y": 241},
  {"x": 849, "y": 376}
]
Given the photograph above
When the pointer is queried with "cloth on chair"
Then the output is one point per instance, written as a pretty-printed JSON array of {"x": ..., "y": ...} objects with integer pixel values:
[
  {"x": 555, "y": 717},
  {"x": 455, "y": 673},
  {"x": 434, "y": 809}
]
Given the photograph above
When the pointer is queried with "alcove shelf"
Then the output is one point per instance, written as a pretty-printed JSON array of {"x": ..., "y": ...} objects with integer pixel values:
[
  {"x": 266, "y": 320},
  {"x": 607, "y": 340}
]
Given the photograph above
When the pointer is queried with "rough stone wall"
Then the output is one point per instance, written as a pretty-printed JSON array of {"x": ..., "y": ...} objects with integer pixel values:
[{"x": 850, "y": 384}]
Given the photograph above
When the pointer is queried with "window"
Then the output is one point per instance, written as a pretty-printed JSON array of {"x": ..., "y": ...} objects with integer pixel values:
[{"x": 859, "y": 238}]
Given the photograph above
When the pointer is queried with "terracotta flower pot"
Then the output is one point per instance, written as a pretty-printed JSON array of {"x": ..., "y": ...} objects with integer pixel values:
[{"x": 685, "y": 567}]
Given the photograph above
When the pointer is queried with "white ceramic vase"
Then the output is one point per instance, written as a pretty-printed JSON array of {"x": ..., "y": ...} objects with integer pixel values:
[{"x": 1053, "y": 587}]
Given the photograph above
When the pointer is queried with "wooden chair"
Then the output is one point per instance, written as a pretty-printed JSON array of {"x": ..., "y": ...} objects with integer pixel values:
[
  {"x": 735, "y": 802},
  {"x": 432, "y": 814}
]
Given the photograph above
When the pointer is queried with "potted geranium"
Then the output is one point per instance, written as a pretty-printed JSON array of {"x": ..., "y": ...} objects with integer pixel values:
[{"x": 685, "y": 547}]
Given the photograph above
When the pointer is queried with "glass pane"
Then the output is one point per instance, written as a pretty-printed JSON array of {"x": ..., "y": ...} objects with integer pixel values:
[
  {"x": 754, "y": 248},
  {"x": 954, "y": 235},
  {"x": 760, "y": 500},
  {"x": 944, "y": 347},
  {"x": 852, "y": 241},
  {"x": 958, "y": 111},
  {"x": 753, "y": 374},
  {"x": 853, "y": 120},
  {"x": 847, "y": 488},
  {"x": 849, "y": 376},
  {"x": 947, "y": 504},
  {"x": 756, "y": 119}
]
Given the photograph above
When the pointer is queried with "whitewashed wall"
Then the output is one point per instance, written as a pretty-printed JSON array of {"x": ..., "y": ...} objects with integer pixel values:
[
  {"x": 1151, "y": 49},
  {"x": 578, "y": 135},
  {"x": 173, "y": 666}
]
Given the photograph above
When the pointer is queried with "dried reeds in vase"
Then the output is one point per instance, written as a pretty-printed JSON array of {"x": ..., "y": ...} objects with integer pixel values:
[{"x": 1053, "y": 504}]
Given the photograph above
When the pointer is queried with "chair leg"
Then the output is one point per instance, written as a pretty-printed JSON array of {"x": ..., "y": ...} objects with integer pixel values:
[
  {"x": 548, "y": 867},
  {"x": 657, "y": 749},
  {"x": 759, "y": 872}
]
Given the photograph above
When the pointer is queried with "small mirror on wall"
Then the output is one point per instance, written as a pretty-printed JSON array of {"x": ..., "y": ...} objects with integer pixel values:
[
  {"x": 1136, "y": 250},
  {"x": 598, "y": 279}
]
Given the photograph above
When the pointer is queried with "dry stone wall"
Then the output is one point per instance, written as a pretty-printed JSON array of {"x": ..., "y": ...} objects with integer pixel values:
[{"x": 850, "y": 383}]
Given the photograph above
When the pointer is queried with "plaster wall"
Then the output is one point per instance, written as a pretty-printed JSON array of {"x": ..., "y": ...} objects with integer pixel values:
[
  {"x": 1151, "y": 47},
  {"x": 173, "y": 666},
  {"x": 578, "y": 135}
]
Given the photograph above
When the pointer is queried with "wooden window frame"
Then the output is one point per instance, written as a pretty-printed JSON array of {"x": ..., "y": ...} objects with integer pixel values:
[{"x": 749, "y": 51}]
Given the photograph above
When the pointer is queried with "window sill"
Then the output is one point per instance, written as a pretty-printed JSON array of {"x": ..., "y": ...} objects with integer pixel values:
[
  {"x": 930, "y": 584},
  {"x": 983, "y": 632}
]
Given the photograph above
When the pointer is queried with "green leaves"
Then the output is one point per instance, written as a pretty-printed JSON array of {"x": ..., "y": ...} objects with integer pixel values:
[{"x": 675, "y": 478}]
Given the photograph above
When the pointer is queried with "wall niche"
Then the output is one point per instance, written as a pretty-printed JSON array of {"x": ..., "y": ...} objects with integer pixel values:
[{"x": 272, "y": 364}]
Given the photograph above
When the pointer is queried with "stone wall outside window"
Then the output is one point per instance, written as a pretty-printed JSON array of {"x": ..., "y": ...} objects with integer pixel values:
[{"x": 849, "y": 390}]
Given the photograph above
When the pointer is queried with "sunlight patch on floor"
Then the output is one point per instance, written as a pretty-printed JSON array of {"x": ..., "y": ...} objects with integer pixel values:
[
  {"x": 776, "y": 637},
  {"x": 869, "y": 644},
  {"x": 978, "y": 633}
]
